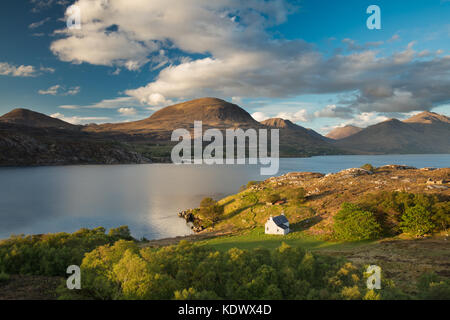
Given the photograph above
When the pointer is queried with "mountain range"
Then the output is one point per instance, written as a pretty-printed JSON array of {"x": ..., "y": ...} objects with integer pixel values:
[{"x": 32, "y": 138}]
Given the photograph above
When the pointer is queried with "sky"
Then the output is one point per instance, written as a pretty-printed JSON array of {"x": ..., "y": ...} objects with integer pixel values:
[{"x": 313, "y": 62}]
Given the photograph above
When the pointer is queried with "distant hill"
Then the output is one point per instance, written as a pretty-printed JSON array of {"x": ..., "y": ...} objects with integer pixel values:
[
  {"x": 426, "y": 132},
  {"x": 343, "y": 132},
  {"x": 28, "y": 118},
  {"x": 295, "y": 137}
]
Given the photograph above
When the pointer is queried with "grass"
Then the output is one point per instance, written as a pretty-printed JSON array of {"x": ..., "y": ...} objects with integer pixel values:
[{"x": 256, "y": 238}]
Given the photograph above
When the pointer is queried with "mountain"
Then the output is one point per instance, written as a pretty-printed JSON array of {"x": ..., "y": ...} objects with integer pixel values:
[
  {"x": 28, "y": 118},
  {"x": 216, "y": 113},
  {"x": 32, "y": 138},
  {"x": 426, "y": 132},
  {"x": 213, "y": 112},
  {"x": 343, "y": 132},
  {"x": 427, "y": 117},
  {"x": 297, "y": 139},
  {"x": 281, "y": 124}
]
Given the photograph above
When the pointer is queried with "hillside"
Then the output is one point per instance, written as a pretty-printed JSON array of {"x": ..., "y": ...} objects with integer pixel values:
[
  {"x": 28, "y": 118},
  {"x": 213, "y": 112},
  {"x": 343, "y": 132},
  {"x": 296, "y": 139},
  {"x": 424, "y": 133}
]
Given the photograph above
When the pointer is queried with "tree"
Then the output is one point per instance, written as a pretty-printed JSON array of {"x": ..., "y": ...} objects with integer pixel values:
[
  {"x": 122, "y": 232},
  {"x": 354, "y": 223},
  {"x": 417, "y": 221},
  {"x": 441, "y": 215},
  {"x": 210, "y": 210}
]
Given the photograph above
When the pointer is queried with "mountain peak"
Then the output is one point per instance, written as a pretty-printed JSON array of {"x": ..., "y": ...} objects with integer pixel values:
[
  {"x": 343, "y": 132},
  {"x": 212, "y": 111},
  {"x": 279, "y": 123},
  {"x": 428, "y": 117},
  {"x": 26, "y": 117}
]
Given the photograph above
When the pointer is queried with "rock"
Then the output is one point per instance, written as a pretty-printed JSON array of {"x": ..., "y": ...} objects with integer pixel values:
[{"x": 397, "y": 167}]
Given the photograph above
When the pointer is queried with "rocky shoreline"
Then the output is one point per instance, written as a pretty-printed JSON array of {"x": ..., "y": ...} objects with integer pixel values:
[{"x": 189, "y": 216}]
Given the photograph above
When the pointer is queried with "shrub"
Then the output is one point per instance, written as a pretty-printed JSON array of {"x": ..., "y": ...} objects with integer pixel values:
[
  {"x": 4, "y": 277},
  {"x": 51, "y": 254},
  {"x": 368, "y": 167},
  {"x": 210, "y": 210},
  {"x": 122, "y": 232},
  {"x": 272, "y": 197},
  {"x": 417, "y": 221},
  {"x": 353, "y": 223},
  {"x": 432, "y": 287},
  {"x": 296, "y": 195}
]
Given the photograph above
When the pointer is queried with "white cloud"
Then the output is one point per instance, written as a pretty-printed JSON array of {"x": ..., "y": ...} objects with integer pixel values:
[
  {"x": 260, "y": 116},
  {"x": 50, "y": 91},
  {"x": 299, "y": 116},
  {"x": 127, "y": 111},
  {"x": 106, "y": 104},
  {"x": 38, "y": 24},
  {"x": 60, "y": 90},
  {"x": 7, "y": 69},
  {"x": 78, "y": 119}
]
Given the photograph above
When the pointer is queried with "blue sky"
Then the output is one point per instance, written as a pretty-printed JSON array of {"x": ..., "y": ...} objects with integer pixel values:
[{"x": 312, "y": 61}]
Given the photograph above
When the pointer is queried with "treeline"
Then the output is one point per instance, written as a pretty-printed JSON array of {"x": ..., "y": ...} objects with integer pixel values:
[
  {"x": 391, "y": 213},
  {"x": 51, "y": 254}
]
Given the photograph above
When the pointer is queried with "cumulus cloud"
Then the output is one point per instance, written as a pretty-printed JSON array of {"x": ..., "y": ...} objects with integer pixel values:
[
  {"x": 236, "y": 57},
  {"x": 260, "y": 116},
  {"x": 127, "y": 111},
  {"x": 7, "y": 69},
  {"x": 299, "y": 116}
]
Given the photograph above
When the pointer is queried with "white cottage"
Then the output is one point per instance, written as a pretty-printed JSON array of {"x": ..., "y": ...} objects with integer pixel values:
[{"x": 277, "y": 225}]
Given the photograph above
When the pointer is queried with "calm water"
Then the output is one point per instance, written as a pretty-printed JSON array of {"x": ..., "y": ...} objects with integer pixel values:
[{"x": 144, "y": 197}]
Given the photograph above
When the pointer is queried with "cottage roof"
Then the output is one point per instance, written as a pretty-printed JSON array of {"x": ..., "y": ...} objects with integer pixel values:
[{"x": 280, "y": 220}]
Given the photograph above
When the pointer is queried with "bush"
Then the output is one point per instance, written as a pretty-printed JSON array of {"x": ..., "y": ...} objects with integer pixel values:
[
  {"x": 272, "y": 197},
  {"x": 295, "y": 195},
  {"x": 432, "y": 287},
  {"x": 417, "y": 221},
  {"x": 353, "y": 223},
  {"x": 51, "y": 254},
  {"x": 4, "y": 277},
  {"x": 368, "y": 167},
  {"x": 210, "y": 210},
  {"x": 122, "y": 232}
]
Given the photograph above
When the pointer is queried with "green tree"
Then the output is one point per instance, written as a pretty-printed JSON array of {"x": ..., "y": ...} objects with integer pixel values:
[
  {"x": 417, "y": 221},
  {"x": 354, "y": 223},
  {"x": 122, "y": 232},
  {"x": 210, "y": 210}
]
